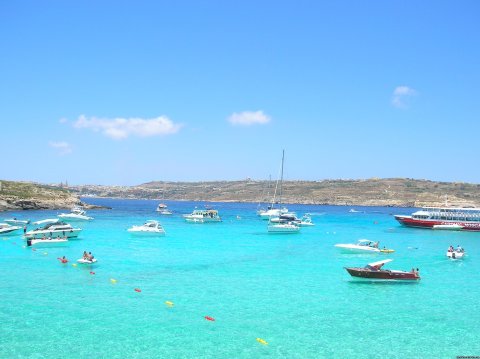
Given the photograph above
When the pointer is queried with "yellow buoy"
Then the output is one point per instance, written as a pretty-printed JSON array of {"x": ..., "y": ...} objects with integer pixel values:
[
  {"x": 45, "y": 253},
  {"x": 74, "y": 264},
  {"x": 113, "y": 281},
  {"x": 170, "y": 304},
  {"x": 262, "y": 341}
]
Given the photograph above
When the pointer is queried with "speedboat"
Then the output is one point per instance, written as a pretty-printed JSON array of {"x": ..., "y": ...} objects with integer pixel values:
[
  {"x": 53, "y": 230},
  {"x": 202, "y": 216},
  {"x": 6, "y": 228},
  {"x": 284, "y": 228},
  {"x": 374, "y": 271},
  {"x": 450, "y": 227},
  {"x": 15, "y": 221},
  {"x": 76, "y": 214},
  {"x": 458, "y": 253},
  {"x": 149, "y": 228},
  {"x": 46, "y": 241},
  {"x": 362, "y": 246},
  {"x": 161, "y": 206},
  {"x": 306, "y": 221},
  {"x": 272, "y": 212}
]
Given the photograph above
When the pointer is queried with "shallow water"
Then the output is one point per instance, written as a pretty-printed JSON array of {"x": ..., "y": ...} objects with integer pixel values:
[{"x": 290, "y": 290}]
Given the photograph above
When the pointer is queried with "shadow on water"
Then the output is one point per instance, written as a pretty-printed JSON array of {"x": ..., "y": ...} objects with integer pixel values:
[{"x": 383, "y": 282}]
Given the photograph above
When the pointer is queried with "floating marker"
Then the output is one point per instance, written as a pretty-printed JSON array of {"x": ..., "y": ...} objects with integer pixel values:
[
  {"x": 262, "y": 341},
  {"x": 45, "y": 253},
  {"x": 74, "y": 264},
  {"x": 92, "y": 273},
  {"x": 113, "y": 281},
  {"x": 170, "y": 304},
  {"x": 209, "y": 318},
  {"x": 138, "y": 290}
]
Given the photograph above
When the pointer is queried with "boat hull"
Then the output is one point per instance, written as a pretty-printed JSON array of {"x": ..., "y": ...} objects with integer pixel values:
[
  {"x": 381, "y": 274},
  {"x": 356, "y": 249},
  {"x": 455, "y": 255},
  {"x": 73, "y": 233},
  {"x": 408, "y": 221},
  {"x": 46, "y": 242}
]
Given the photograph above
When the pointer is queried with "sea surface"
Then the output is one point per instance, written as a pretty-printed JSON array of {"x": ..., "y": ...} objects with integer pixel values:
[{"x": 289, "y": 290}]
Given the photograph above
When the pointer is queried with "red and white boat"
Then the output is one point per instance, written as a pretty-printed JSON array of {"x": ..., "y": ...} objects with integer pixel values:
[
  {"x": 374, "y": 271},
  {"x": 466, "y": 219}
]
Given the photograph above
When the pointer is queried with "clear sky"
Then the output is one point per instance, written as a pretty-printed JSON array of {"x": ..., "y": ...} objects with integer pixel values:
[{"x": 126, "y": 92}]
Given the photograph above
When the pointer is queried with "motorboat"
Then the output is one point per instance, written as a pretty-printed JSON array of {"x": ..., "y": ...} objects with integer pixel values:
[
  {"x": 306, "y": 221},
  {"x": 6, "y": 228},
  {"x": 203, "y": 216},
  {"x": 284, "y": 228},
  {"x": 164, "y": 211},
  {"x": 47, "y": 241},
  {"x": 15, "y": 221},
  {"x": 457, "y": 253},
  {"x": 76, "y": 214},
  {"x": 161, "y": 206},
  {"x": 374, "y": 271},
  {"x": 272, "y": 212},
  {"x": 449, "y": 227},
  {"x": 149, "y": 228},
  {"x": 53, "y": 230},
  {"x": 362, "y": 246}
]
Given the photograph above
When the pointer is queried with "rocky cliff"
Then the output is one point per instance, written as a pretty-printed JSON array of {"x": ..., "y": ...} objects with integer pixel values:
[{"x": 27, "y": 195}]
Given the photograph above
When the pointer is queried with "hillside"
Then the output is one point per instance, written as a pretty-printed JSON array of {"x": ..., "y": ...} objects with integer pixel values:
[
  {"x": 401, "y": 192},
  {"x": 27, "y": 195}
]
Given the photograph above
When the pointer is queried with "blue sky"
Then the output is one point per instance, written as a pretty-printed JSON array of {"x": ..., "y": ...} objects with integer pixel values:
[{"x": 124, "y": 92}]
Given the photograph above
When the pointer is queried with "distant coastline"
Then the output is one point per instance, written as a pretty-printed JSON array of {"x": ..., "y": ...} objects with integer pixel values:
[{"x": 390, "y": 192}]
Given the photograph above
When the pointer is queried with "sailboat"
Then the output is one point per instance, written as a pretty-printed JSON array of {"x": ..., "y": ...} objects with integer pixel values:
[
  {"x": 281, "y": 226},
  {"x": 271, "y": 211}
]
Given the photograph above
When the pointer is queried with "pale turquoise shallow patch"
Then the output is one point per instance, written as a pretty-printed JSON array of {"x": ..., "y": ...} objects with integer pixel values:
[{"x": 290, "y": 290}]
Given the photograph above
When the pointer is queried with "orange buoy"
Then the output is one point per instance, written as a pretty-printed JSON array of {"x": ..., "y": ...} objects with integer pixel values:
[
  {"x": 92, "y": 273},
  {"x": 138, "y": 290},
  {"x": 209, "y": 318}
]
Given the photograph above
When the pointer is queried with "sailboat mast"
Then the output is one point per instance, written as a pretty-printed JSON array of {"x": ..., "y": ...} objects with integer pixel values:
[{"x": 281, "y": 178}]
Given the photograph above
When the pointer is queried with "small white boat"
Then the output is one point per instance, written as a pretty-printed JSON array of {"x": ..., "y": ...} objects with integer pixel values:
[
  {"x": 46, "y": 241},
  {"x": 306, "y": 221},
  {"x": 76, "y": 214},
  {"x": 273, "y": 212},
  {"x": 87, "y": 261},
  {"x": 6, "y": 228},
  {"x": 15, "y": 221},
  {"x": 164, "y": 212},
  {"x": 149, "y": 228},
  {"x": 362, "y": 246},
  {"x": 450, "y": 227},
  {"x": 203, "y": 216},
  {"x": 457, "y": 253},
  {"x": 283, "y": 228}
]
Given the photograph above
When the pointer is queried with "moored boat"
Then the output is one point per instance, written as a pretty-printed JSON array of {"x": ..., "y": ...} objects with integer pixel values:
[
  {"x": 53, "y": 229},
  {"x": 362, "y": 246},
  {"x": 467, "y": 219},
  {"x": 283, "y": 228},
  {"x": 149, "y": 228},
  {"x": 15, "y": 221},
  {"x": 457, "y": 253},
  {"x": 76, "y": 214},
  {"x": 6, "y": 228},
  {"x": 374, "y": 271},
  {"x": 202, "y": 216}
]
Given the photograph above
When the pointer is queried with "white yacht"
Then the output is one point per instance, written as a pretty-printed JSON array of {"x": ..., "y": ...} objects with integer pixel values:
[
  {"x": 76, "y": 214},
  {"x": 53, "y": 230},
  {"x": 47, "y": 241},
  {"x": 284, "y": 228},
  {"x": 272, "y": 212},
  {"x": 15, "y": 221},
  {"x": 203, "y": 216},
  {"x": 362, "y": 246},
  {"x": 6, "y": 228},
  {"x": 149, "y": 228}
]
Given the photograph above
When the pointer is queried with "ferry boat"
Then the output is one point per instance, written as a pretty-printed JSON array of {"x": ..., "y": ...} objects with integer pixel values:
[{"x": 466, "y": 219}]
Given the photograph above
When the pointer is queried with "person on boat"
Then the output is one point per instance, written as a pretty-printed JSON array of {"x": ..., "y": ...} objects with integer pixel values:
[
  {"x": 375, "y": 245},
  {"x": 459, "y": 249},
  {"x": 450, "y": 249},
  {"x": 90, "y": 256},
  {"x": 63, "y": 259},
  {"x": 85, "y": 255}
]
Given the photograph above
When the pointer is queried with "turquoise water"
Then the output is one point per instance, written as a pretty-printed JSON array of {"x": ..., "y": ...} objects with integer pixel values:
[{"x": 290, "y": 290}]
